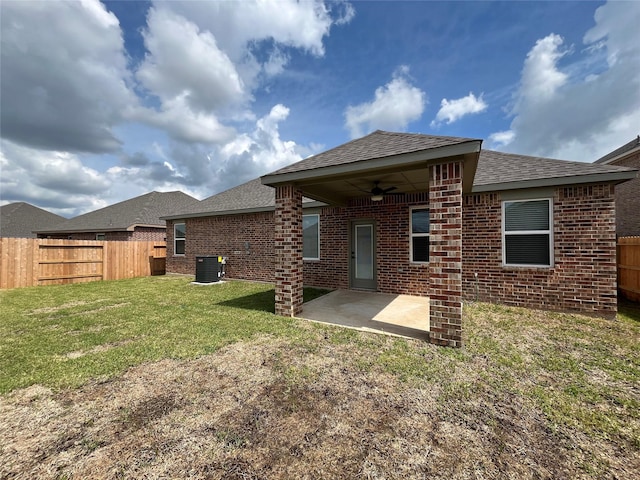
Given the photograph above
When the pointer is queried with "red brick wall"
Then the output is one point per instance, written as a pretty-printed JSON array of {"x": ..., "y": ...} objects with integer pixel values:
[
  {"x": 148, "y": 234},
  {"x": 395, "y": 273},
  {"x": 246, "y": 240},
  {"x": 628, "y": 200},
  {"x": 583, "y": 277}
]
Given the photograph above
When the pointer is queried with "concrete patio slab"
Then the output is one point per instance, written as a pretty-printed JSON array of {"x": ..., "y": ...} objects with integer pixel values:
[{"x": 401, "y": 315}]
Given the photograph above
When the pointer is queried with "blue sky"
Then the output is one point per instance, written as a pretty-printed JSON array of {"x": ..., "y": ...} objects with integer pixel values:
[{"x": 106, "y": 101}]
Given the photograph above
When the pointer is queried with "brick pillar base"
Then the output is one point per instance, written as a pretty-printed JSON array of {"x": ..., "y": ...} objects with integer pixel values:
[
  {"x": 445, "y": 254},
  {"x": 288, "y": 250}
]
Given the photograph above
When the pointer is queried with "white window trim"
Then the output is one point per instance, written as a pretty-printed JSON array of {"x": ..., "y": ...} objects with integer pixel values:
[
  {"x": 527, "y": 232},
  {"x": 175, "y": 239},
  {"x": 312, "y": 215},
  {"x": 412, "y": 235},
  {"x": 104, "y": 235}
]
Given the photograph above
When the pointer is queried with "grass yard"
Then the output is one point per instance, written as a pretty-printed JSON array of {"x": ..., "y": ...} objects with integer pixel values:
[{"x": 157, "y": 378}]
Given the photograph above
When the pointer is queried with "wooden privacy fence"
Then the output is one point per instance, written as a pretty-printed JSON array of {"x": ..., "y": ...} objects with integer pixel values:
[
  {"x": 26, "y": 262},
  {"x": 629, "y": 267}
]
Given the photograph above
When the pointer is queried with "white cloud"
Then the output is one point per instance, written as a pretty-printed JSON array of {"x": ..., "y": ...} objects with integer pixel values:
[
  {"x": 253, "y": 33},
  {"x": 582, "y": 116},
  {"x": 64, "y": 79},
  {"x": 184, "y": 124},
  {"x": 501, "y": 139},
  {"x": 452, "y": 110},
  {"x": 287, "y": 22},
  {"x": 540, "y": 76},
  {"x": 54, "y": 180},
  {"x": 202, "y": 170},
  {"x": 394, "y": 105},
  {"x": 187, "y": 63},
  {"x": 68, "y": 85}
]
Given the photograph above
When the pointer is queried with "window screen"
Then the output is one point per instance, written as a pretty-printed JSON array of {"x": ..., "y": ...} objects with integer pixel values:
[
  {"x": 311, "y": 237},
  {"x": 527, "y": 235},
  {"x": 179, "y": 236}
]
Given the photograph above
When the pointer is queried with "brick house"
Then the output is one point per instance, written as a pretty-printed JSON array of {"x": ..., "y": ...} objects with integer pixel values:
[
  {"x": 628, "y": 193},
  {"x": 422, "y": 215},
  {"x": 134, "y": 219}
]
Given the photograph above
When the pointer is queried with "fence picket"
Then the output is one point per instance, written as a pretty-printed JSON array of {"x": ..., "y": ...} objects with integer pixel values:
[
  {"x": 629, "y": 268},
  {"x": 28, "y": 262}
]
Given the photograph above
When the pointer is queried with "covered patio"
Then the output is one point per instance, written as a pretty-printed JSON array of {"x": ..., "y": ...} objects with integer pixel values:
[{"x": 439, "y": 168}]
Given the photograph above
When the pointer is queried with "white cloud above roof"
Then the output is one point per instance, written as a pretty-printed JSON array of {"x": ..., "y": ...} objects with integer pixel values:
[
  {"x": 500, "y": 139},
  {"x": 393, "y": 107},
  {"x": 452, "y": 110},
  {"x": 563, "y": 113}
]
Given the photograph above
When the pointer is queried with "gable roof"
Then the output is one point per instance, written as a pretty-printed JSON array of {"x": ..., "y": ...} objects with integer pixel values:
[
  {"x": 507, "y": 171},
  {"x": 495, "y": 171},
  {"x": 20, "y": 219},
  {"x": 620, "y": 152},
  {"x": 144, "y": 210},
  {"x": 376, "y": 145}
]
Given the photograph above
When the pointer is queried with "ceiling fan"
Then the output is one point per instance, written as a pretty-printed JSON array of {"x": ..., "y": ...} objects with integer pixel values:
[{"x": 378, "y": 193}]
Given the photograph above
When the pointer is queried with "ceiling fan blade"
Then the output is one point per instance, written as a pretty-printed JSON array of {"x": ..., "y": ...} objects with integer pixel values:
[{"x": 390, "y": 189}]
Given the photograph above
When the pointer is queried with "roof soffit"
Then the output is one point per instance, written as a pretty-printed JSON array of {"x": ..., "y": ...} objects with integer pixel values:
[{"x": 408, "y": 172}]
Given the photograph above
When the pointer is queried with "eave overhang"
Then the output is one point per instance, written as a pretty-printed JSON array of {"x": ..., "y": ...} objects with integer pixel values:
[
  {"x": 610, "y": 177},
  {"x": 311, "y": 181},
  {"x": 240, "y": 211}
]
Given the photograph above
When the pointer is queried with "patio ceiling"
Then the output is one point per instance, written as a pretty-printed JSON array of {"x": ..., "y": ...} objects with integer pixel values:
[{"x": 409, "y": 173}]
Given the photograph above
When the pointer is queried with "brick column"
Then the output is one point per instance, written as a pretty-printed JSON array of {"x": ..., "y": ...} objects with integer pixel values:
[
  {"x": 288, "y": 250},
  {"x": 445, "y": 254}
]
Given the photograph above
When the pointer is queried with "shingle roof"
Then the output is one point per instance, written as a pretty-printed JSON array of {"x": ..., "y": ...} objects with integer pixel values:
[
  {"x": 495, "y": 171},
  {"x": 20, "y": 219},
  {"x": 251, "y": 196},
  {"x": 620, "y": 151},
  {"x": 495, "y": 168},
  {"x": 143, "y": 210},
  {"x": 378, "y": 144}
]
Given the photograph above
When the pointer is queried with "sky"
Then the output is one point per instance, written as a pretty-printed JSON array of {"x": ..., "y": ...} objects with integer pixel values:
[{"x": 105, "y": 101}]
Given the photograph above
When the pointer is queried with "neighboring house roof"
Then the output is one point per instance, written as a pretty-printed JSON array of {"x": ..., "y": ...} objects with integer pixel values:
[
  {"x": 507, "y": 171},
  {"x": 142, "y": 211},
  {"x": 20, "y": 220},
  {"x": 495, "y": 171},
  {"x": 623, "y": 151}
]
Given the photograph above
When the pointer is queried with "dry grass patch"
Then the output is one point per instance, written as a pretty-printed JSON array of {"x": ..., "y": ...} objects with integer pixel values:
[{"x": 333, "y": 404}]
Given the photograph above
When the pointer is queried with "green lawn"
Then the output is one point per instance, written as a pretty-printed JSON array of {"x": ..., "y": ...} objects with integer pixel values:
[
  {"x": 60, "y": 336},
  {"x": 209, "y": 380}
]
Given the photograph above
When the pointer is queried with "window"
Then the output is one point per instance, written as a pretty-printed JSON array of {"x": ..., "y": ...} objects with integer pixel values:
[
  {"x": 101, "y": 236},
  {"x": 419, "y": 235},
  {"x": 311, "y": 237},
  {"x": 179, "y": 235},
  {"x": 527, "y": 238}
]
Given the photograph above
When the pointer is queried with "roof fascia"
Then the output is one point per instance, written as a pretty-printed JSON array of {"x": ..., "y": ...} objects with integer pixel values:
[
  {"x": 84, "y": 230},
  {"x": 613, "y": 177},
  {"x": 131, "y": 228},
  {"x": 406, "y": 159},
  {"x": 618, "y": 157},
  {"x": 238, "y": 211}
]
